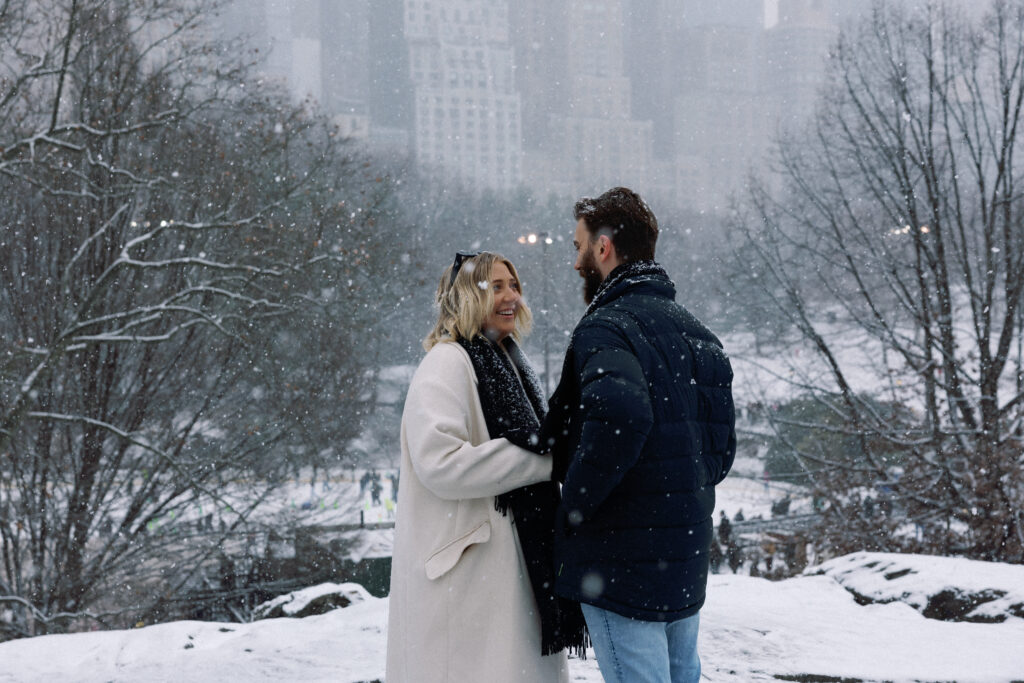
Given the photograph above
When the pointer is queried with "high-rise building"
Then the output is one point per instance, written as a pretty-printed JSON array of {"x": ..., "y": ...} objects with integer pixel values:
[
  {"x": 343, "y": 30},
  {"x": 595, "y": 141},
  {"x": 288, "y": 36},
  {"x": 467, "y": 110},
  {"x": 538, "y": 30},
  {"x": 266, "y": 27},
  {"x": 796, "y": 52},
  {"x": 389, "y": 89},
  {"x": 720, "y": 119},
  {"x": 345, "y": 57},
  {"x": 748, "y": 14},
  {"x": 654, "y": 29}
]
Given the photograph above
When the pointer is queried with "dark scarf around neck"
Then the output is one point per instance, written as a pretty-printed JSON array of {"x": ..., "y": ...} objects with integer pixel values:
[
  {"x": 514, "y": 408},
  {"x": 631, "y": 271}
]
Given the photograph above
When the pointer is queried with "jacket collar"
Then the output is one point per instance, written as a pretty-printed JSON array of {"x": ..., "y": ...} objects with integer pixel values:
[{"x": 628, "y": 275}]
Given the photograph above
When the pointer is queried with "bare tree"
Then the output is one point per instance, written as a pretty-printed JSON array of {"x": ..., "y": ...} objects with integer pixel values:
[
  {"x": 163, "y": 237},
  {"x": 894, "y": 244}
]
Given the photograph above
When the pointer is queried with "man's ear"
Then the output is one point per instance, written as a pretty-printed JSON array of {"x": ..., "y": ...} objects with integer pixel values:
[{"x": 605, "y": 250}]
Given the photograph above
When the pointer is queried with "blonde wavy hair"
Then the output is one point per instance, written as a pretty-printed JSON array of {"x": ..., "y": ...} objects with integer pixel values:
[{"x": 464, "y": 306}]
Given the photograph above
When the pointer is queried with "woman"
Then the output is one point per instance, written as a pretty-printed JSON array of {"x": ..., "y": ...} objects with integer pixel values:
[{"x": 472, "y": 553}]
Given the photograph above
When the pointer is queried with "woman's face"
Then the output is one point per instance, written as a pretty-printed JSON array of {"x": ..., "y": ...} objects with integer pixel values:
[{"x": 501, "y": 322}]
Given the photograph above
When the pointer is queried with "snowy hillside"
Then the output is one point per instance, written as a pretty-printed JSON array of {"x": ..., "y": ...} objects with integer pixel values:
[{"x": 806, "y": 628}]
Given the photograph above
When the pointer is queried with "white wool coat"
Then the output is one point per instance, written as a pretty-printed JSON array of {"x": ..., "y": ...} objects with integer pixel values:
[{"x": 461, "y": 605}]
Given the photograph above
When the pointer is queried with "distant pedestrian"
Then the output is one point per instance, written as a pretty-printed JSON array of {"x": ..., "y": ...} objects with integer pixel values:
[
  {"x": 869, "y": 507},
  {"x": 780, "y": 508},
  {"x": 375, "y": 489},
  {"x": 724, "y": 529},
  {"x": 226, "y": 571},
  {"x": 734, "y": 556},
  {"x": 738, "y": 517},
  {"x": 768, "y": 548},
  {"x": 885, "y": 504},
  {"x": 789, "y": 553},
  {"x": 715, "y": 556}
]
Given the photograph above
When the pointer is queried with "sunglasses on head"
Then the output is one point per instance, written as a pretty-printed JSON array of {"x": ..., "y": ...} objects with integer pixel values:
[{"x": 460, "y": 258}]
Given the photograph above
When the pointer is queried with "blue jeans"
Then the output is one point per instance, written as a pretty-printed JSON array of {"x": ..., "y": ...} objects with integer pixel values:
[{"x": 634, "y": 651}]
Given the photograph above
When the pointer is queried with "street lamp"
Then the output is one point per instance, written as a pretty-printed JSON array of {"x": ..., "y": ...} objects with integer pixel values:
[{"x": 544, "y": 239}]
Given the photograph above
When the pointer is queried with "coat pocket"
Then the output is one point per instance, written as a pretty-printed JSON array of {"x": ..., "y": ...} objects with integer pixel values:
[{"x": 442, "y": 561}]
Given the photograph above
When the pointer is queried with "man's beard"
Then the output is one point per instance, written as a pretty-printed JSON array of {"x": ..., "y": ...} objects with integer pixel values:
[{"x": 591, "y": 277}]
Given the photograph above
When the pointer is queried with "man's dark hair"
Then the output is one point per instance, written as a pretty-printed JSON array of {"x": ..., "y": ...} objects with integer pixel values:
[{"x": 633, "y": 227}]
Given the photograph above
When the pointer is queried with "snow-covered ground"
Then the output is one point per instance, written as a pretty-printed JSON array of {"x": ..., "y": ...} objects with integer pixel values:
[{"x": 751, "y": 630}]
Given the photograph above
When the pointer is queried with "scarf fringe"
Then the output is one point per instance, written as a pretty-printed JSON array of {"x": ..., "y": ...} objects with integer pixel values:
[
  {"x": 503, "y": 505},
  {"x": 576, "y": 642}
]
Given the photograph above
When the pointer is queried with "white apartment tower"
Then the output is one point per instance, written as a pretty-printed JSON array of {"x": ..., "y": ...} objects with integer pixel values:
[{"x": 467, "y": 110}]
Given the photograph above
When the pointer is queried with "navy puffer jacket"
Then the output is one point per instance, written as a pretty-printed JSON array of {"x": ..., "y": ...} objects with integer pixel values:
[{"x": 643, "y": 425}]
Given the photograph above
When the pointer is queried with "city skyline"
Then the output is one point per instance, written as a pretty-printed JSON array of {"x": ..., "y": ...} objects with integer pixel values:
[{"x": 555, "y": 96}]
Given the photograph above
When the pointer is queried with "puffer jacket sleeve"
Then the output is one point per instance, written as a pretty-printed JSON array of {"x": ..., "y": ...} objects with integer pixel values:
[
  {"x": 616, "y": 417},
  {"x": 437, "y": 420}
]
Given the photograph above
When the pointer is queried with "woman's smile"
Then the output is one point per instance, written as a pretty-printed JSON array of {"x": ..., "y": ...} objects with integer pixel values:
[{"x": 502, "y": 320}]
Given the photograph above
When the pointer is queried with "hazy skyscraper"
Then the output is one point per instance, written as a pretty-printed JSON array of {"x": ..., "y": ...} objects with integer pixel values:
[
  {"x": 389, "y": 88},
  {"x": 344, "y": 32},
  {"x": 720, "y": 119},
  {"x": 796, "y": 49},
  {"x": 276, "y": 30},
  {"x": 467, "y": 114},
  {"x": 738, "y": 13},
  {"x": 538, "y": 30},
  {"x": 653, "y": 33},
  {"x": 596, "y": 142}
]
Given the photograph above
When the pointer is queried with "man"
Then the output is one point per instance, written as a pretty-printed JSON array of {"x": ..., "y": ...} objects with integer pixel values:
[{"x": 642, "y": 428}]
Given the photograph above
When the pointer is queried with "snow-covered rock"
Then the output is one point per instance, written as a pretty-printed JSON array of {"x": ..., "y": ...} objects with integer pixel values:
[
  {"x": 311, "y": 601},
  {"x": 944, "y": 588}
]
